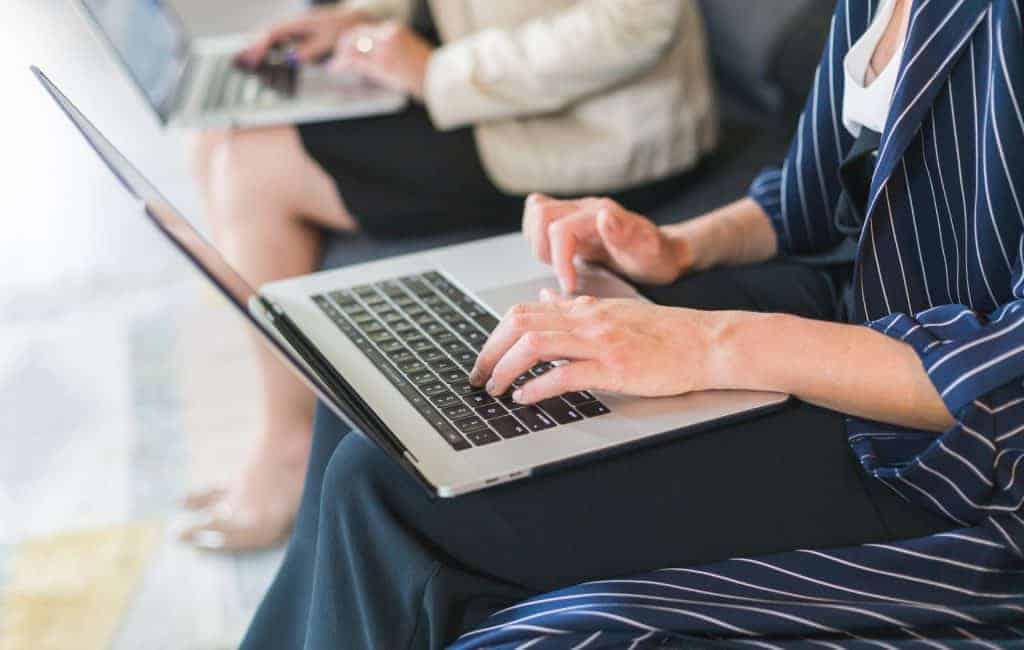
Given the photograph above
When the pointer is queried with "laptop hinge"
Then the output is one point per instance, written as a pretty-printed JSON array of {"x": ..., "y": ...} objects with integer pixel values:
[{"x": 329, "y": 376}]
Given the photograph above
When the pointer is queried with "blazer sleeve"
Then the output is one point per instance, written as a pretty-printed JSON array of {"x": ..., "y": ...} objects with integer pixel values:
[
  {"x": 547, "y": 63},
  {"x": 800, "y": 195},
  {"x": 975, "y": 471},
  {"x": 384, "y": 9}
]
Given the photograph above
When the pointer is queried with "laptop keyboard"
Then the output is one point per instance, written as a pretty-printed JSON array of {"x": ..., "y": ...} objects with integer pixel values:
[
  {"x": 232, "y": 87},
  {"x": 424, "y": 334}
]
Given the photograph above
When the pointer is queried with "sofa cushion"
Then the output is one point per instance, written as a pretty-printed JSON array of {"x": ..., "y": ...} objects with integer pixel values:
[{"x": 749, "y": 42}]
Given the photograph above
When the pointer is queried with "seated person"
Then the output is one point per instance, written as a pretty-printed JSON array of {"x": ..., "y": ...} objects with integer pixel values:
[
  {"x": 917, "y": 340},
  {"x": 549, "y": 88}
]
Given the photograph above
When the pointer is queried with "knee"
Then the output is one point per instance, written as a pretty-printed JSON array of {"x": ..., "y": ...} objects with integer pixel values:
[
  {"x": 246, "y": 168},
  {"x": 355, "y": 476},
  {"x": 201, "y": 149}
]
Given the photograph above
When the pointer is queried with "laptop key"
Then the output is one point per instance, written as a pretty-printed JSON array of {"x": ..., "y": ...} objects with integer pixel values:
[
  {"x": 444, "y": 365},
  {"x": 381, "y": 337},
  {"x": 410, "y": 334},
  {"x": 465, "y": 358},
  {"x": 431, "y": 355},
  {"x": 509, "y": 403},
  {"x": 491, "y": 411},
  {"x": 422, "y": 377},
  {"x": 478, "y": 399},
  {"x": 448, "y": 400},
  {"x": 522, "y": 379},
  {"x": 435, "y": 328},
  {"x": 455, "y": 348},
  {"x": 364, "y": 291},
  {"x": 402, "y": 326},
  {"x": 420, "y": 346},
  {"x": 371, "y": 326},
  {"x": 433, "y": 388},
  {"x": 452, "y": 376},
  {"x": 560, "y": 410},
  {"x": 396, "y": 352},
  {"x": 593, "y": 409},
  {"x": 391, "y": 289},
  {"x": 471, "y": 423},
  {"x": 534, "y": 418},
  {"x": 579, "y": 397},
  {"x": 415, "y": 365},
  {"x": 482, "y": 437},
  {"x": 476, "y": 338},
  {"x": 463, "y": 388},
  {"x": 542, "y": 368},
  {"x": 343, "y": 298},
  {"x": 508, "y": 427},
  {"x": 456, "y": 411}
]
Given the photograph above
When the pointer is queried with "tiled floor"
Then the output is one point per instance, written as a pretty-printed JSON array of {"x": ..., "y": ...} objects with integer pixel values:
[{"x": 123, "y": 380}]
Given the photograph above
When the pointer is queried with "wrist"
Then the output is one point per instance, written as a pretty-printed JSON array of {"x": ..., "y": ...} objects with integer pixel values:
[
  {"x": 743, "y": 350},
  {"x": 693, "y": 244}
]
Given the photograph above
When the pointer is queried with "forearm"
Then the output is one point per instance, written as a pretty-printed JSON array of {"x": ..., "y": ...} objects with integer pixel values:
[
  {"x": 847, "y": 368},
  {"x": 738, "y": 233}
]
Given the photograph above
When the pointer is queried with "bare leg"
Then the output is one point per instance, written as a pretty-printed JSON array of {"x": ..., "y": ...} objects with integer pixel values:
[{"x": 266, "y": 199}]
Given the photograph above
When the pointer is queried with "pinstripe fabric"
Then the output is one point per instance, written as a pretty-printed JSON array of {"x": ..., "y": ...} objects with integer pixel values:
[{"x": 940, "y": 265}]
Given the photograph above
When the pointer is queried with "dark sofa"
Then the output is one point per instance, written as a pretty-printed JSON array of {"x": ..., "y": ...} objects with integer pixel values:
[{"x": 763, "y": 65}]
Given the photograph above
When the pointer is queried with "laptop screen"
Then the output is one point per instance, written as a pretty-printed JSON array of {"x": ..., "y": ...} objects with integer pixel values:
[
  {"x": 184, "y": 235},
  {"x": 150, "y": 41}
]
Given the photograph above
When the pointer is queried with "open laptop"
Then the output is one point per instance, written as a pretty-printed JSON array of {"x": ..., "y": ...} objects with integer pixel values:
[
  {"x": 387, "y": 346},
  {"x": 195, "y": 83}
]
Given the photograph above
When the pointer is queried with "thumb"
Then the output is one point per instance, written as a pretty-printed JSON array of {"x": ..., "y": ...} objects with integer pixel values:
[{"x": 624, "y": 240}]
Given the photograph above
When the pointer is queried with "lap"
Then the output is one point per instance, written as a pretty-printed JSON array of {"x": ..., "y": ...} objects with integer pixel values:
[
  {"x": 768, "y": 484},
  {"x": 772, "y": 484},
  {"x": 401, "y": 177}
]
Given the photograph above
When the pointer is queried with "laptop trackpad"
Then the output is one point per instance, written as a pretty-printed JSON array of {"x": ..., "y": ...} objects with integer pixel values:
[{"x": 592, "y": 282}]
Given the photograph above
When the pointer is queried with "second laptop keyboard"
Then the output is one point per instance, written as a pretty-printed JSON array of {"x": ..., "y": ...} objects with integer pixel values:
[{"x": 424, "y": 333}]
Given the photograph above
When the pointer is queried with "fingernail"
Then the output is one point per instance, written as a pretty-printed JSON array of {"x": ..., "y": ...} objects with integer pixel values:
[
  {"x": 517, "y": 396},
  {"x": 491, "y": 386},
  {"x": 209, "y": 539}
]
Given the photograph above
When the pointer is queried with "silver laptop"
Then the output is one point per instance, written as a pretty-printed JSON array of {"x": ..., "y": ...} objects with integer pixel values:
[
  {"x": 387, "y": 346},
  {"x": 194, "y": 82}
]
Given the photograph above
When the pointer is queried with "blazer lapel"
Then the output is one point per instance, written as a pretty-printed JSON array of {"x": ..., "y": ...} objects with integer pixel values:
[{"x": 941, "y": 30}]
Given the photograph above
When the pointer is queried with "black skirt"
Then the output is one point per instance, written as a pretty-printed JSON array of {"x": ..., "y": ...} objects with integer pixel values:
[{"x": 401, "y": 177}]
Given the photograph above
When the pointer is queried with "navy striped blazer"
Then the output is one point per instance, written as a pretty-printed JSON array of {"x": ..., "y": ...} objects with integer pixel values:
[
  {"x": 940, "y": 266},
  {"x": 940, "y": 259}
]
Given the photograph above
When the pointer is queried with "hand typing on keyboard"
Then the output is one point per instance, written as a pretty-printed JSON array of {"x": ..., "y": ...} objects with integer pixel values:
[
  {"x": 424, "y": 334},
  {"x": 623, "y": 346}
]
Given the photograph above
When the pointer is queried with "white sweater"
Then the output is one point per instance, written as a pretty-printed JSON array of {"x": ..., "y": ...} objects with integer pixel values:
[{"x": 571, "y": 96}]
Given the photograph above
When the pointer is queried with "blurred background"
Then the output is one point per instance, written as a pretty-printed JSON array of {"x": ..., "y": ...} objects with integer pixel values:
[
  {"x": 109, "y": 350},
  {"x": 124, "y": 380}
]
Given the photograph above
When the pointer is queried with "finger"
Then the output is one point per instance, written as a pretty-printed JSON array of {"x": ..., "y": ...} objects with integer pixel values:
[
  {"x": 203, "y": 498},
  {"x": 565, "y": 236},
  {"x": 312, "y": 49},
  {"x": 543, "y": 317},
  {"x": 256, "y": 52},
  {"x": 566, "y": 378},
  {"x": 628, "y": 241},
  {"x": 531, "y": 349},
  {"x": 541, "y": 211}
]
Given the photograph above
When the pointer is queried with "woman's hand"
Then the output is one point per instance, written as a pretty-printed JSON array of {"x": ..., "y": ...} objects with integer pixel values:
[
  {"x": 623, "y": 346},
  {"x": 313, "y": 34},
  {"x": 602, "y": 231},
  {"x": 389, "y": 53}
]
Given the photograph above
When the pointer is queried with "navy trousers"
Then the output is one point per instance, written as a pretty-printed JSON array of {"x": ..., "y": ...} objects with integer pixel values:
[{"x": 374, "y": 562}]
